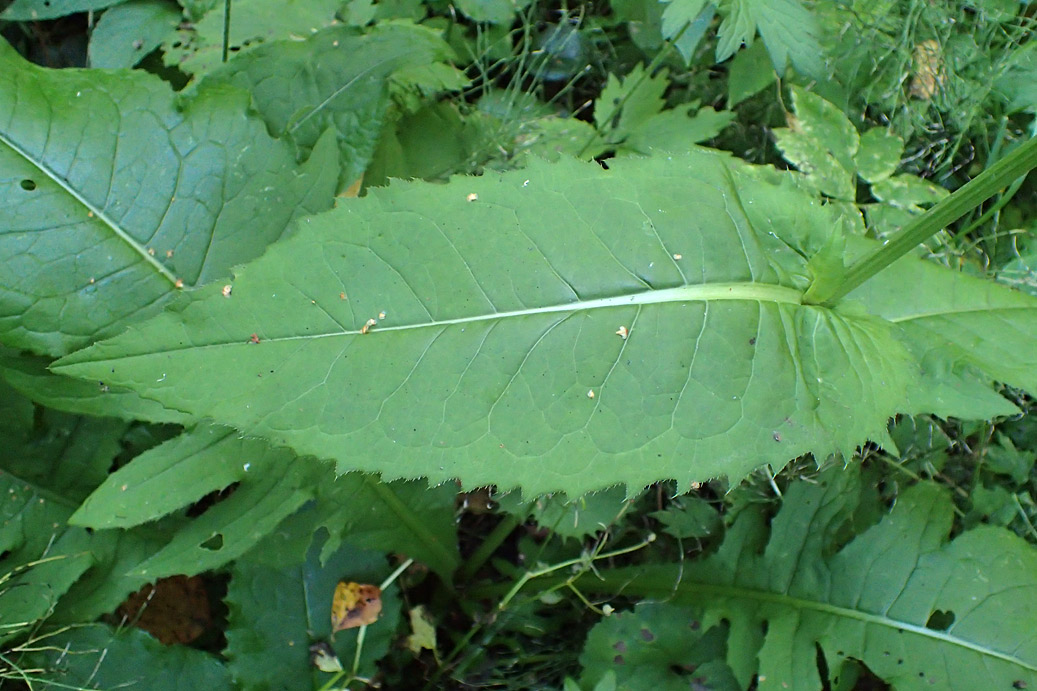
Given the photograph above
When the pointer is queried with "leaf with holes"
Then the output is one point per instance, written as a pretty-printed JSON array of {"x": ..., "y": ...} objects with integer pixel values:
[
  {"x": 920, "y": 612},
  {"x": 114, "y": 197}
]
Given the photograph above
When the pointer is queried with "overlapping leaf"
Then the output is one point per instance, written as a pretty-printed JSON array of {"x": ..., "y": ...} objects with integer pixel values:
[
  {"x": 99, "y": 657},
  {"x": 277, "y": 613},
  {"x": 337, "y": 78},
  {"x": 113, "y": 196},
  {"x": 493, "y": 354},
  {"x": 919, "y": 612}
]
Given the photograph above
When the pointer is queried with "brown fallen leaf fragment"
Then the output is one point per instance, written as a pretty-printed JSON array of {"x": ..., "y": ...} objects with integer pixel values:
[
  {"x": 355, "y": 605},
  {"x": 928, "y": 70}
]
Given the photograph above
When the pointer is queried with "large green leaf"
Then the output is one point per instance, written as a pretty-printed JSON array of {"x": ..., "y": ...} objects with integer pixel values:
[
  {"x": 919, "y": 612},
  {"x": 112, "y": 195},
  {"x": 495, "y": 356},
  {"x": 500, "y": 321}
]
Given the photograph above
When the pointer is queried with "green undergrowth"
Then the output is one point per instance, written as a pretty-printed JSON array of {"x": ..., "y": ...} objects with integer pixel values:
[{"x": 619, "y": 345}]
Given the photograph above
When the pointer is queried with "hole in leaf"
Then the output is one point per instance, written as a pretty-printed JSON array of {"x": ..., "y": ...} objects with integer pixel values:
[
  {"x": 214, "y": 543},
  {"x": 940, "y": 620},
  {"x": 28, "y": 185}
]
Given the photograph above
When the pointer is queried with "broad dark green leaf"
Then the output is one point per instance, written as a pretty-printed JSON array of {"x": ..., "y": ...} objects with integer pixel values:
[
  {"x": 49, "y": 462},
  {"x": 96, "y": 656},
  {"x": 918, "y": 611},
  {"x": 126, "y": 33},
  {"x": 112, "y": 196},
  {"x": 336, "y": 78},
  {"x": 276, "y": 614},
  {"x": 494, "y": 355}
]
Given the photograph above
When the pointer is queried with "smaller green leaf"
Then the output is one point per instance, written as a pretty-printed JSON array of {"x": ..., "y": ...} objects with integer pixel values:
[
  {"x": 627, "y": 102},
  {"x": 29, "y": 376},
  {"x": 878, "y": 155},
  {"x": 737, "y": 28},
  {"x": 34, "y": 10},
  {"x": 126, "y": 33},
  {"x": 336, "y": 78},
  {"x": 1003, "y": 457},
  {"x": 692, "y": 517},
  {"x": 173, "y": 475},
  {"x": 492, "y": 11},
  {"x": 577, "y": 518},
  {"x": 790, "y": 33},
  {"x": 276, "y": 614},
  {"x": 678, "y": 13},
  {"x": 908, "y": 192},
  {"x": 404, "y": 517},
  {"x": 821, "y": 142},
  {"x": 236, "y": 523},
  {"x": 678, "y": 130},
  {"x": 96, "y": 656},
  {"x": 656, "y": 647},
  {"x": 697, "y": 15},
  {"x": 199, "y": 48},
  {"x": 30, "y": 591},
  {"x": 751, "y": 72}
]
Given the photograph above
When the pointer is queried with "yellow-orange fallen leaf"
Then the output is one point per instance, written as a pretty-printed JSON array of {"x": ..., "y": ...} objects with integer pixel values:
[{"x": 355, "y": 604}]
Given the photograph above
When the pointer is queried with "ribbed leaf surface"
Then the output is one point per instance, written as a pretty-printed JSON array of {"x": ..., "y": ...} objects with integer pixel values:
[
  {"x": 111, "y": 195},
  {"x": 495, "y": 357}
]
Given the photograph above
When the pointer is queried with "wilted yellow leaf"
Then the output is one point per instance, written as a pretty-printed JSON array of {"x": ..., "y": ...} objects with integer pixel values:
[{"x": 355, "y": 604}]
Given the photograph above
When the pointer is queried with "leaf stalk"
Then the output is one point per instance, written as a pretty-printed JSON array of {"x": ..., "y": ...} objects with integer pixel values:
[{"x": 1013, "y": 166}]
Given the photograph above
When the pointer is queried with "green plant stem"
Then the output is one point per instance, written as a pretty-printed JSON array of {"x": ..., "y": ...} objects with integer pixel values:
[
  {"x": 652, "y": 66},
  {"x": 226, "y": 30},
  {"x": 488, "y": 546},
  {"x": 996, "y": 206},
  {"x": 1015, "y": 165},
  {"x": 444, "y": 558}
]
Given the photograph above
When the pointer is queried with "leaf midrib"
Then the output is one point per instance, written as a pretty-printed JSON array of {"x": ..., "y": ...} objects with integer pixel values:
[
  {"x": 98, "y": 213},
  {"x": 754, "y": 292},
  {"x": 657, "y": 585}
]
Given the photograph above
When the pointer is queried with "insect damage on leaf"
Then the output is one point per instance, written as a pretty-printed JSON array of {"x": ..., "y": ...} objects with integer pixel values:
[{"x": 354, "y": 605}]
